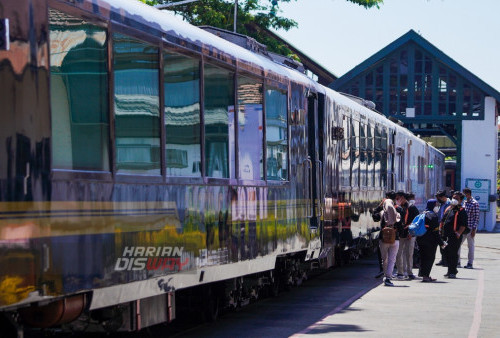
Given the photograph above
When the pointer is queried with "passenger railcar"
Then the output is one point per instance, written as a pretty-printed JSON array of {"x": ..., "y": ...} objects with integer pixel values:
[{"x": 144, "y": 159}]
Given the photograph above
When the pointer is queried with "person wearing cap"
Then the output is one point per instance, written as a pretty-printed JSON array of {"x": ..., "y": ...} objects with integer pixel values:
[
  {"x": 404, "y": 259},
  {"x": 453, "y": 225},
  {"x": 428, "y": 242},
  {"x": 444, "y": 202},
  {"x": 472, "y": 209}
]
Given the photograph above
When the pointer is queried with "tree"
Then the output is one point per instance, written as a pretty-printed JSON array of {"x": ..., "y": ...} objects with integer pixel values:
[{"x": 254, "y": 17}]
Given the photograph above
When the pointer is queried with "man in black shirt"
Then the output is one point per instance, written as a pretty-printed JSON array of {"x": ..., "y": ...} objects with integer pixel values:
[
  {"x": 453, "y": 225},
  {"x": 404, "y": 259}
]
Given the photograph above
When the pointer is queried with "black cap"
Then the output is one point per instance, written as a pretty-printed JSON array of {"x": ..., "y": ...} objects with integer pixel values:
[
  {"x": 441, "y": 193},
  {"x": 401, "y": 193}
]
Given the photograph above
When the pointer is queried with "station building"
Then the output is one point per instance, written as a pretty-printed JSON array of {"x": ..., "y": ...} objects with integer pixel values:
[{"x": 432, "y": 95}]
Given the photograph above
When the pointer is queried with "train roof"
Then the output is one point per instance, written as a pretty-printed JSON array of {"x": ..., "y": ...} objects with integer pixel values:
[
  {"x": 154, "y": 21},
  {"x": 166, "y": 25}
]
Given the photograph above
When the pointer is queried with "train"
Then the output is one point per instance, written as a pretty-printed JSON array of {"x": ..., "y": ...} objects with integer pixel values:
[{"x": 147, "y": 164}]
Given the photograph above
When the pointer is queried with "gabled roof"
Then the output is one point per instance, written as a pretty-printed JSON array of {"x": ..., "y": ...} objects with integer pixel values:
[{"x": 413, "y": 36}]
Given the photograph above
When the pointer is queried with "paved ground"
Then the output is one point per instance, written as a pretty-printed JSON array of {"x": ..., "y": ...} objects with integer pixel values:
[{"x": 350, "y": 302}]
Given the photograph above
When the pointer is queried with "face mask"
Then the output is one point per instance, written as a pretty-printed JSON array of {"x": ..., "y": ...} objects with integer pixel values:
[
  {"x": 454, "y": 202},
  {"x": 411, "y": 202},
  {"x": 436, "y": 209}
]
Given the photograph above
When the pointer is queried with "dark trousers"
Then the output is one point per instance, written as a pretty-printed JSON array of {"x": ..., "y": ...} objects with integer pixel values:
[
  {"x": 443, "y": 256},
  {"x": 427, "y": 256},
  {"x": 451, "y": 252},
  {"x": 379, "y": 256}
]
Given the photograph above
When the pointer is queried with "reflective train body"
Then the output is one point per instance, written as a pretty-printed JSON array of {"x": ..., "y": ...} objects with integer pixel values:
[{"x": 144, "y": 160}]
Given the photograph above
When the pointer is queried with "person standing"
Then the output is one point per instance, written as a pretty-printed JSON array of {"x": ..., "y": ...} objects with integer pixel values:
[
  {"x": 388, "y": 251},
  {"x": 404, "y": 260},
  {"x": 428, "y": 242},
  {"x": 472, "y": 209},
  {"x": 453, "y": 225},
  {"x": 444, "y": 204}
]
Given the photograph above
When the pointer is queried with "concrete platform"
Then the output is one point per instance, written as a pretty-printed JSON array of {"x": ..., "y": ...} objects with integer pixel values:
[
  {"x": 350, "y": 302},
  {"x": 465, "y": 307}
]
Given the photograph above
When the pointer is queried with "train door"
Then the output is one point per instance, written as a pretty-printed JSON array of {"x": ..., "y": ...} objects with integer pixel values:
[{"x": 314, "y": 150}]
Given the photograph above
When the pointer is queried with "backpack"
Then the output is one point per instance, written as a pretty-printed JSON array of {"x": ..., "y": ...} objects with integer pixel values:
[
  {"x": 377, "y": 212},
  {"x": 417, "y": 226}
]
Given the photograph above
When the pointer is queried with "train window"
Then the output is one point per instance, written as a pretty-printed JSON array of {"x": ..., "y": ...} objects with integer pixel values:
[
  {"x": 363, "y": 159},
  {"x": 78, "y": 71},
  {"x": 355, "y": 154},
  {"x": 250, "y": 129},
  {"x": 276, "y": 134},
  {"x": 346, "y": 153},
  {"x": 378, "y": 157},
  {"x": 401, "y": 164},
  {"x": 219, "y": 122},
  {"x": 370, "y": 181},
  {"x": 383, "y": 159},
  {"x": 137, "y": 105},
  {"x": 181, "y": 76},
  {"x": 421, "y": 168}
]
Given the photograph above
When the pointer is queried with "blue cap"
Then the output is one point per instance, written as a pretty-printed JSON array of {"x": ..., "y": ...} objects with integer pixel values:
[{"x": 431, "y": 204}]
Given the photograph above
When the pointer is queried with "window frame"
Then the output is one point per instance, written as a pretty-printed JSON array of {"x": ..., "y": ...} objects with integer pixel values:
[
  {"x": 269, "y": 84},
  {"x": 63, "y": 174}
]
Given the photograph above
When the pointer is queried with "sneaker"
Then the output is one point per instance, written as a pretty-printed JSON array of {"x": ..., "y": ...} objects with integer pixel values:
[
  {"x": 380, "y": 274},
  {"x": 387, "y": 282},
  {"x": 400, "y": 276},
  {"x": 411, "y": 276},
  {"x": 428, "y": 280},
  {"x": 468, "y": 266},
  {"x": 446, "y": 275},
  {"x": 452, "y": 276}
]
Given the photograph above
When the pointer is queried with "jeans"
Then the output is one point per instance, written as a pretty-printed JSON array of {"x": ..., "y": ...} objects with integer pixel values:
[{"x": 470, "y": 245}]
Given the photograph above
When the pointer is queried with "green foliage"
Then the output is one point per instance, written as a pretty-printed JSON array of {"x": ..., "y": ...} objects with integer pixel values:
[
  {"x": 368, "y": 3},
  {"x": 498, "y": 175},
  {"x": 254, "y": 17}
]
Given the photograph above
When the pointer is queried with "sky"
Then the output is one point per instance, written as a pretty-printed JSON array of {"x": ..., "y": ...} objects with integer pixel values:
[{"x": 339, "y": 35}]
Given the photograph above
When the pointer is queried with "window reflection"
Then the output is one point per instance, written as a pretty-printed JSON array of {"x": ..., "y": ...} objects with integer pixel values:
[
  {"x": 80, "y": 127},
  {"x": 276, "y": 134},
  {"x": 181, "y": 76},
  {"x": 250, "y": 129},
  {"x": 219, "y": 122},
  {"x": 136, "y": 106}
]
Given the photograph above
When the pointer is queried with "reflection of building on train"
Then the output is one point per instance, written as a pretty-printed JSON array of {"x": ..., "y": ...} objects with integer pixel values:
[{"x": 137, "y": 130}]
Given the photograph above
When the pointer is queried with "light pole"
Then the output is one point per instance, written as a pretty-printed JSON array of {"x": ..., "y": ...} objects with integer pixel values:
[{"x": 235, "y": 14}]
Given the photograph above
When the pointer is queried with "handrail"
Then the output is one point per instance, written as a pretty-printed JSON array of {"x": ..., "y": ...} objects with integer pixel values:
[
  {"x": 310, "y": 192},
  {"x": 321, "y": 188}
]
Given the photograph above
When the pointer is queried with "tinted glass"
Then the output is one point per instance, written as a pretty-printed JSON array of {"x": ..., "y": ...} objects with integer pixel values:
[
  {"x": 181, "y": 75},
  {"x": 80, "y": 127},
  {"x": 276, "y": 135},
  {"x": 250, "y": 129},
  {"x": 219, "y": 122},
  {"x": 137, "y": 105}
]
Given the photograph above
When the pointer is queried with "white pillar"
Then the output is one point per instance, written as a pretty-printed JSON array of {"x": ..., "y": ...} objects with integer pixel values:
[{"x": 479, "y": 156}]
